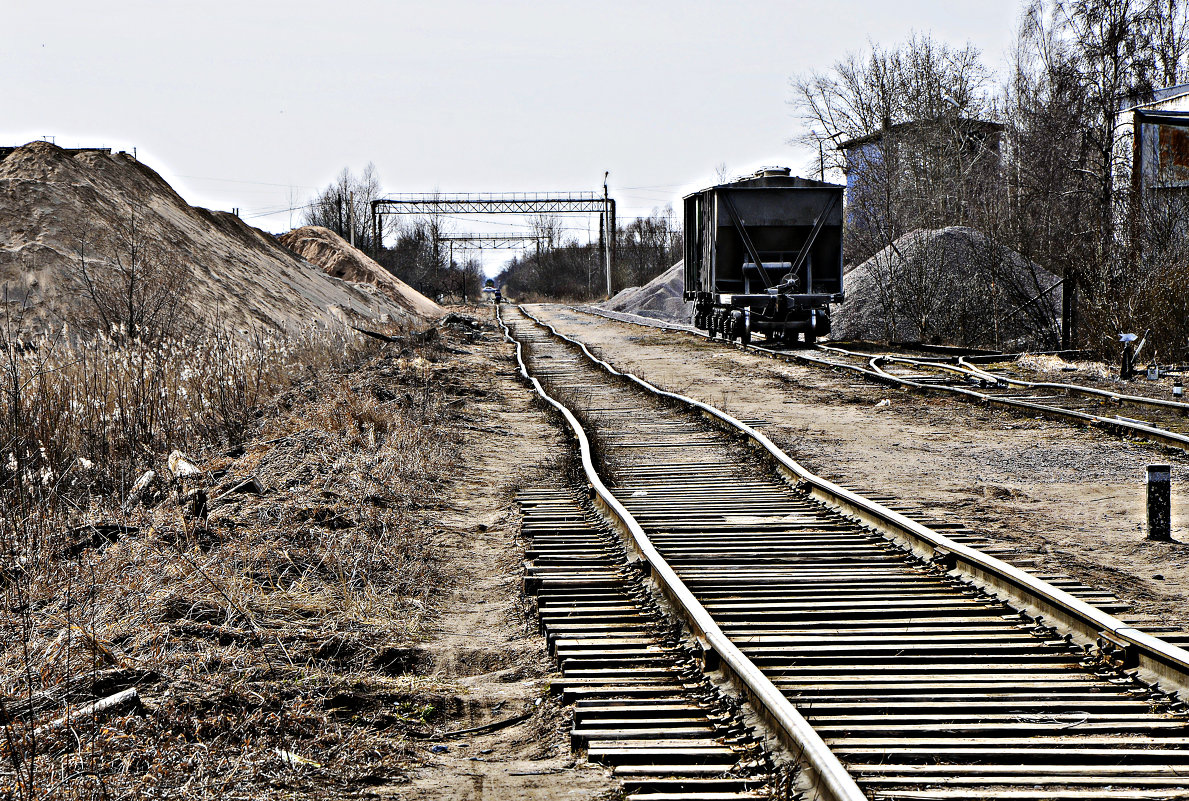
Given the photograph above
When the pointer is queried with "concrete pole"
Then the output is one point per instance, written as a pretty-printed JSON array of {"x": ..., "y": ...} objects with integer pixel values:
[{"x": 1160, "y": 502}]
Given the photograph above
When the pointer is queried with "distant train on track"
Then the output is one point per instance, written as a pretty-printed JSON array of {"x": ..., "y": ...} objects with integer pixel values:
[{"x": 764, "y": 255}]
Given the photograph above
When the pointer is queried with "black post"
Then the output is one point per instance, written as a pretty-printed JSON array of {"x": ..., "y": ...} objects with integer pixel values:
[
  {"x": 376, "y": 244},
  {"x": 614, "y": 239},
  {"x": 1160, "y": 502},
  {"x": 1072, "y": 319}
]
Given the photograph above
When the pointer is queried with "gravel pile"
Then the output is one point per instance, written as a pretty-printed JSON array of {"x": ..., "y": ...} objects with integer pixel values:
[
  {"x": 336, "y": 256},
  {"x": 57, "y": 203},
  {"x": 660, "y": 298},
  {"x": 951, "y": 285}
]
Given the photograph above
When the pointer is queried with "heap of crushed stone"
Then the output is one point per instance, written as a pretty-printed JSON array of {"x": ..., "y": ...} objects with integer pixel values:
[
  {"x": 53, "y": 200},
  {"x": 338, "y": 258},
  {"x": 955, "y": 268},
  {"x": 660, "y": 298}
]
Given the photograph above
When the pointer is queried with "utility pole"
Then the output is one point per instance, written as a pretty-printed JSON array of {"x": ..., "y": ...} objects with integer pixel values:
[
  {"x": 609, "y": 229},
  {"x": 377, "y": 245},
  {"x": 351, "y": 215}
]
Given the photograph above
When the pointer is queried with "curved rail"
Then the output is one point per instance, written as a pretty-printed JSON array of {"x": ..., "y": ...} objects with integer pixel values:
[
  {"x": 832, "y": 776},
  {"x": 1116, "y": 424},
  {"x": 1160, "y": 661},
  {"x": 873, "y": 372},
  {"x": 1139, "y": 400}
]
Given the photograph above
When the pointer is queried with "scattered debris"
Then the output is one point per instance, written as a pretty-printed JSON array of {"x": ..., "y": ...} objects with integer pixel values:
[
  {"x": 194, "y": 503},
  {"x": 147, "y": 491},
  {"x": 249, "y": 486},
  {"x": 95, "y": 535},
  {"x": 294, "y": 760},
  {"x": 119, "y": 703},
  {"x": 182, "y": 466}
]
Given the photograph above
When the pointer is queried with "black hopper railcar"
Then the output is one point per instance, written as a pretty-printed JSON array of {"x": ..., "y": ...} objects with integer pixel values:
[{"x": 764, "y": 255}]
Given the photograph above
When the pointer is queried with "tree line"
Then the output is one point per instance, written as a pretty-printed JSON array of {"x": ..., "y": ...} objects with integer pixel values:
[
  {"x": 555, "y": 263},
  {"x": 564, "y": 267},
  {"x": 1038, "y": 160},
  {"x": 411, "y": 249}
]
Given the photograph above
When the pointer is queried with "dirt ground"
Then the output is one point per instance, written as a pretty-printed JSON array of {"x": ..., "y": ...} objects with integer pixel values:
[
  {"x": 331, "y": 609},
  {"x": 1073, "y": 498},
  {"x": 483, "y": 641}
]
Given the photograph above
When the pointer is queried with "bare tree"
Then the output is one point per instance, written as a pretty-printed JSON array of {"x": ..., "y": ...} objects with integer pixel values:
[
  {"x": 1086, "y": 62},
  {"x": 866, "y": 93},
  {"x": 925, "y": 150},
  {"x": 1170, "y": 40},
  {"x": 416, "y": 257},
  {"x": 345, "y": 206},
  {"x": 134, "y": 286}
]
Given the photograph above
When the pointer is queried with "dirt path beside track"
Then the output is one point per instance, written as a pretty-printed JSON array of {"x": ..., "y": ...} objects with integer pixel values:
[
  {"x": 1071, "y": 497},
  {"x": 483, "y": 642}
]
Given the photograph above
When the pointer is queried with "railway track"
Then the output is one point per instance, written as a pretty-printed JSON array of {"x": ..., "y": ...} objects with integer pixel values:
[
  {"x": 1159, "y": 420},
  {"x": 1163, "y": 421},
  {"x": 893, "y": 661}
]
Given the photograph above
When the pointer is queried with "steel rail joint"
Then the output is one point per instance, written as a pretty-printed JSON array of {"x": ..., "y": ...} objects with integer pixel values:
[
  {"x": 832, "y": 778},
  {"x": 1158, "y": 660}
]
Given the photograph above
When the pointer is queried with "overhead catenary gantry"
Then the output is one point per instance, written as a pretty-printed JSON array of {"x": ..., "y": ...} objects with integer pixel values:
[
  {"x": 489, "y": 241},
  {"x": 520, "y": 203}
]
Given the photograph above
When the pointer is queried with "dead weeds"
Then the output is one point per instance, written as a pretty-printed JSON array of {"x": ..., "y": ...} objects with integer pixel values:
[{"x": 266, "y": 609}]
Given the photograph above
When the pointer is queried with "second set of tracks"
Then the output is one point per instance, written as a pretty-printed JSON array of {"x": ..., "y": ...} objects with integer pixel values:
[
  {"x": 1129, "y": 414},
  {"x": 891, "y": 661}
]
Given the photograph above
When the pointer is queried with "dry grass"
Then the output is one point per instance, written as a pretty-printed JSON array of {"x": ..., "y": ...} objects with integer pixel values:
[
  {"x": 1055, "y": 365},
  {"x": 268, "y": 634},
  {"x": 92, "y": 414}
]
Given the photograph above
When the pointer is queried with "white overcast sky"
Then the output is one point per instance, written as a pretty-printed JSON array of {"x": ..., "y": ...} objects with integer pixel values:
[{"x": 247, "y": 104}]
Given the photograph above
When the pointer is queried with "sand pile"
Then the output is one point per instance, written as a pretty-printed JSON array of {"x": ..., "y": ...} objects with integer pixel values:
[
  {"x": 54, "y": 202},
  {"x": 950, "y": 285},
  {"x": 335, "y": 255},
  {"x": 659, "y": 298}
]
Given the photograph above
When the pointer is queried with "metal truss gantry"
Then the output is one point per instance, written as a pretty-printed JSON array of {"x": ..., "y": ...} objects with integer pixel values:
[
  {"x": 481, "y": 241},
  {"x": 489, "y": 241},
  {"x": 493, "y": 203},
  {"x": 523, "y": 203}
]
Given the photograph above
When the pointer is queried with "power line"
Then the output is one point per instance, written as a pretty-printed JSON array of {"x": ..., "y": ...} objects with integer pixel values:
[{"x": 241, "y": 181}]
